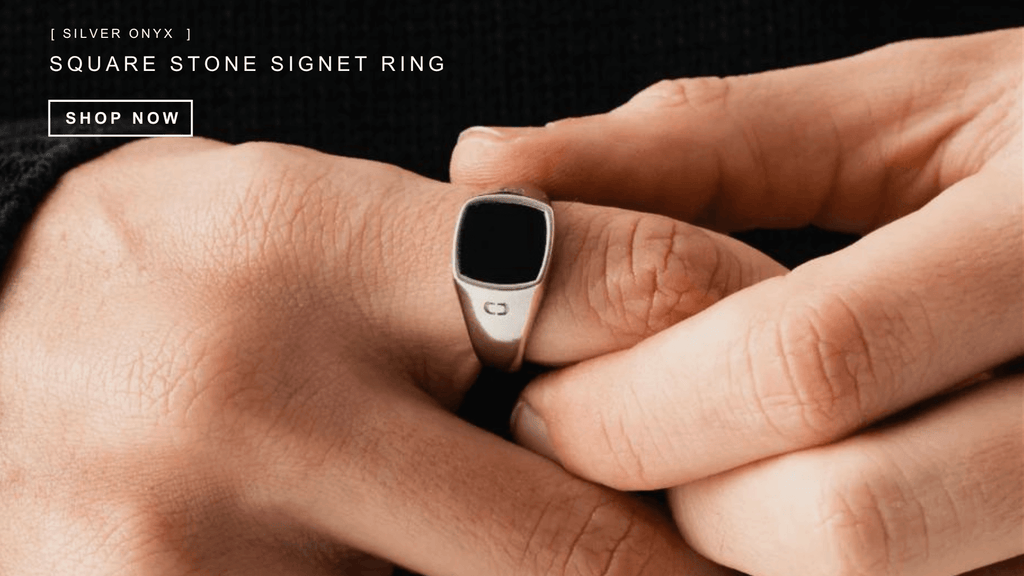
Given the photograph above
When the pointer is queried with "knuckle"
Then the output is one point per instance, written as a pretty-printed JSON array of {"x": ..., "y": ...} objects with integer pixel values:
[
  {"x": 266, "y": 169},
  {"x": 591, "y": 535},
  {"x": 869, "y": 522},
  {"x": 683, "y": 92},
  {"x": 257, "y": 156},
  {"x": 265, "y": 174},
  {"x": 658, "y": 271},
  {"x": 276, "y": 212},
  {"x": 627, "y": 456},
  {"x": 256, "y": 168},
  {"x": 825, "y": 367}
]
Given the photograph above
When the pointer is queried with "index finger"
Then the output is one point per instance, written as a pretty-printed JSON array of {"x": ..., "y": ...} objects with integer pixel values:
[
  {"x": 846, "y": 145},
  {"x": 803, "y": 359}
]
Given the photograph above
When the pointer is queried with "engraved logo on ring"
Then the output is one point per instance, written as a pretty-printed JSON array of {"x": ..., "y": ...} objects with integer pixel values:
[{"x": 496, "y": 308}]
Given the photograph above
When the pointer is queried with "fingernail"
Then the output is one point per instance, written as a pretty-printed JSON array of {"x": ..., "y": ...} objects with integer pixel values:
[
  {"x": 531, "y": 432},
  {"x": 482, "y": 131}
]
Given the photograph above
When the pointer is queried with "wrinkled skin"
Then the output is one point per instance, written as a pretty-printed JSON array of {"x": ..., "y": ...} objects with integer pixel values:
[
  {"x": 242, "y": 360},
  {"x": 861, "y": 414}
]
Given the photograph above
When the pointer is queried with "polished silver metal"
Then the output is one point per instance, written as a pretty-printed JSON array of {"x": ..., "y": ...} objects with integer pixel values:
[{"x": 499, "y": 316}]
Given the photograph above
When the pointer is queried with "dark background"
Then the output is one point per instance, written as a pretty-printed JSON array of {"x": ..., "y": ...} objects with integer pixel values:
[{"x": 505, "y": 63}]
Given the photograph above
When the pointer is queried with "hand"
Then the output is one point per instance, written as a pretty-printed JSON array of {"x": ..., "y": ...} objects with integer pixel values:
[
  {"x": 768, "y": 409},
  {"x": 240, "y": 360}
]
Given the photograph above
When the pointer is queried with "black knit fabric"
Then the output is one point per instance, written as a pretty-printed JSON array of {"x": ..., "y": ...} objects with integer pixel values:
[
  {"x": 521, "y": 62},
  {"x": 505, "y": 63}
]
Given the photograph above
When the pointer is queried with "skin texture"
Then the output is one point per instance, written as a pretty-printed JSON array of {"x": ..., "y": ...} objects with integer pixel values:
[
  {"x": 242, "y": 360},
  {"x": 861, "y": 414}
]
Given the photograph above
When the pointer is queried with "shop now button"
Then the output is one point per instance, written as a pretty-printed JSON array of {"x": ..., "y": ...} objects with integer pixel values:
[{"x": 120, "y": 117}]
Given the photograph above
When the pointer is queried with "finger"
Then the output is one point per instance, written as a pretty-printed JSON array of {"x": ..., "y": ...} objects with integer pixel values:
[
  {"x": 937, "y": 493},
  {"x": 363, "y": 243},
  {"x": 846, "y": 145},
  {"x": 616, "y": 276},
  {"x": 619, "y": 276},
  {"x": 804, "y": 359},
  {"x": 441, "y": 497}
]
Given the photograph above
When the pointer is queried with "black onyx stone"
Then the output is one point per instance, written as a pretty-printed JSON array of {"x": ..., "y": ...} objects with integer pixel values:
[{"x": 502, "y": 243}]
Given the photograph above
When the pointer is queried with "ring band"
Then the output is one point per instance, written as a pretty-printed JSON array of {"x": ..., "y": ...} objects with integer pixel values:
[{"x": 500, "y": 261}]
